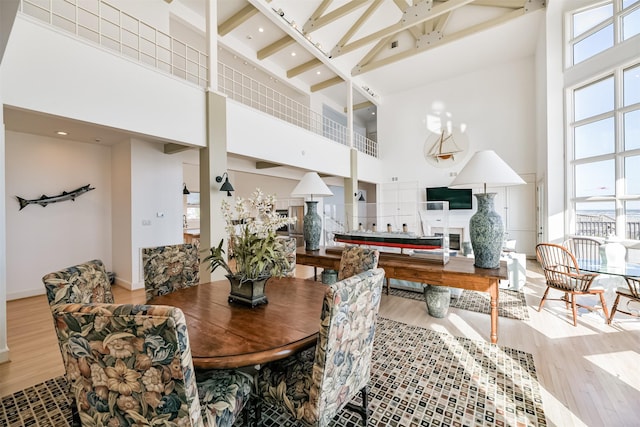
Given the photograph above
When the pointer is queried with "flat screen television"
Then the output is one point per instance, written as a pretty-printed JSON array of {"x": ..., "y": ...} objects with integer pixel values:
[{"x": 458, "y": 198}]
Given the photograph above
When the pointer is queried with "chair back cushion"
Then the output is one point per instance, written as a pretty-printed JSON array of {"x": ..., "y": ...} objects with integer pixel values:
[
  {"x": 356, "y": 259},
  {"x": 345, "y": 343},
  {"x": 289, "y": 248},
  {"x": 83, "y": 283},
  {"x": 169, "y": 268},
  {"x": 128, "y": 364}
]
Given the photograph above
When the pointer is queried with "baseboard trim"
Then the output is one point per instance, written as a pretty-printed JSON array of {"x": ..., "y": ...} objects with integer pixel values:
[
  {"x": 4, "y": 355},
  {"x": 25, "y": 294}
]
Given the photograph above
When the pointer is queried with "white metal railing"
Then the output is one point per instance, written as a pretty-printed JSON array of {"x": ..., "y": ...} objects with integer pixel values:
[
  {"x": 114, "y": 29},
  {"x": 248, "y": 91},
  {"x": 108, "y": 26}
]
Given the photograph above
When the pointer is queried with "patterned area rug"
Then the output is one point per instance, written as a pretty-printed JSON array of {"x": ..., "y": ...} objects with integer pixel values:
[
  {"x": 419, "y": 377},
  {"x": 511, "y": 304}
]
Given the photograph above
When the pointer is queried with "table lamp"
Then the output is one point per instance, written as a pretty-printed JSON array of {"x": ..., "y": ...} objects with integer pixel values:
[
  {"x": 312, "y": 185},
  {"x": 485, "y": 226}
]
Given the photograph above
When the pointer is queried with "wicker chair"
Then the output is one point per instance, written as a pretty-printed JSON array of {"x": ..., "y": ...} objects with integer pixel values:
[
  {"x": 131, "y": 365},
  {"x": 169, "y": 268},
  {"x": 356, "y": 259},
  {"x": 562, "y": 273},
  {"x": 584, "y": 248},
  {"x": 316, "y": 384},
  {"x": 83, "y": 283},
  {"x": 632, "y": 292}
]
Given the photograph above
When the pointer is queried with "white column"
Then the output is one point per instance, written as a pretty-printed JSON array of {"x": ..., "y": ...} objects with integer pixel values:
[
  {"x": 213, "y": 158},
  {"x": 351, "y": 183}
]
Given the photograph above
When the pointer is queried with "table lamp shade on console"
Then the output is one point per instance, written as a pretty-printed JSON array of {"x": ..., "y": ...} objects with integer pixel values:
[
  {"x": 309, "y": 186},
  {"x": 486, "y": 229}
]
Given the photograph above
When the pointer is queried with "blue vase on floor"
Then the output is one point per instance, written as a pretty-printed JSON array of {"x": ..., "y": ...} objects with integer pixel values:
[
  {"x": 437, "y": 298},
  {"x": 487, "y": 232}
]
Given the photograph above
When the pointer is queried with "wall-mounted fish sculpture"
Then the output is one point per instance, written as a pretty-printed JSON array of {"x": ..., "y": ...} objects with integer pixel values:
[{"x": 45, "y": 200}]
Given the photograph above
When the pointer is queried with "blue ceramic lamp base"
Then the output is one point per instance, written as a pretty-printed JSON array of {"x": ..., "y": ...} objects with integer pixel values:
[
  {"x": 487, "y": 232},
  {"x": 312, "y": 228}
]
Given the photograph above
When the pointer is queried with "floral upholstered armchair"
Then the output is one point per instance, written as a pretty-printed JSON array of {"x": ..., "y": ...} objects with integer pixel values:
[
  {"x": 169, "y": 268},
  {"x": 131, "y": 365},
  {"x": 313, "y": 386},
  {"x": 356, "y": 259},
  {"x": 84, "y": 283}
]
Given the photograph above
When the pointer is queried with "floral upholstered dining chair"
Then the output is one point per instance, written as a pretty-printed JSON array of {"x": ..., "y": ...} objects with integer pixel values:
[
  {"x": 316, "y": 384},
  {"x": 356, "y": 259},
  {"x": 84, "y": 283},
  {"x": 169, "y": 268},
  {"x": 131, "y": 365},
  {"x": 288, "y": 246}
]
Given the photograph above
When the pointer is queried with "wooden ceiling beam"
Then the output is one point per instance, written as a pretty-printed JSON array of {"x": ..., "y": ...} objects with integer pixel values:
[
  {"x": 266, "y": 165},
  {"x": 334, "y": 15},
  {"x": 399, "y": 26},
  {"x": 375, "y": 50},
  {"x": 511, "y": 4},
  {"x": 327, "y": 83},
  {"x": 427, "y": 46},
  {"x": 363, "y": 18},
  {"x": 274, "y": 47},
  {"x": 361, "y": 105},
  {"x": 303, "y": 68},
  {"x": 317, "y": 13},
  {"x": 238, "y": 18}
]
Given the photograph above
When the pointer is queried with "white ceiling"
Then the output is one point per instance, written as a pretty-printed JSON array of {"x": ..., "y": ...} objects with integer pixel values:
[{"x": 483, "y": 45}]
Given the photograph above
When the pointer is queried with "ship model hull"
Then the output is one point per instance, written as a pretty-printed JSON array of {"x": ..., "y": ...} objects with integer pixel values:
[{"x": 394, "y": 240}]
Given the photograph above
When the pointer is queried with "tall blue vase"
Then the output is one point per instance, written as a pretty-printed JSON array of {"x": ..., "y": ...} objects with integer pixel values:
[
  {"x": 487, "y": 232},
  {"x": 312, "y": 226}
]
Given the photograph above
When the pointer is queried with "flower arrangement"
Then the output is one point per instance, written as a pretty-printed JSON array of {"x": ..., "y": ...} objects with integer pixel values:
[{"x": 251, "y": 225}]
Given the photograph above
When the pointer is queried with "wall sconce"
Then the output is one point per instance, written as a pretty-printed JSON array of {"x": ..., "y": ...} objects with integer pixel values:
[
  {"x": 360, "y": 196},
  {"x": 185, "y": 190},
  {"x": 226, "y": 185}
]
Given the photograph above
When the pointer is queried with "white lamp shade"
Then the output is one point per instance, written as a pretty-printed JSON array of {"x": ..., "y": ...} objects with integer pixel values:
[
  {"x": 486, "y": 168},
  {"x": 311, "y": 185}
]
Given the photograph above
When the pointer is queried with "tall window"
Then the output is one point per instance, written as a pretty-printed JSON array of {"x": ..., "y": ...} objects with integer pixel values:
[
  {"x": 598, "y": 28},
  {"x": 604, "y": 126}
]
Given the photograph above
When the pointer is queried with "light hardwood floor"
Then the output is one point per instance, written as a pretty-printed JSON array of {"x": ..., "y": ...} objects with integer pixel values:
[{"x": 589, "y": 374}]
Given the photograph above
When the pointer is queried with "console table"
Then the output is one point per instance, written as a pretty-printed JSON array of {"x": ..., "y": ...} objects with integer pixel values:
[{"x": 459, "y": 272}]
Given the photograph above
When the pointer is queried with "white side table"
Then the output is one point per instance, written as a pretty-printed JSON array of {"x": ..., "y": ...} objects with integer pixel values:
[{"x": 516, "y": 269}]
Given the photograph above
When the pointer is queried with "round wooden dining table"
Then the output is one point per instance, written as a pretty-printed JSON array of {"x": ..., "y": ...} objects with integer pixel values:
[{"x": 224, "y": 334}]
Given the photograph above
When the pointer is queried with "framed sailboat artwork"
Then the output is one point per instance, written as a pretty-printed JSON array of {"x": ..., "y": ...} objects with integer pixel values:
[{"x": 446, "y": 148}]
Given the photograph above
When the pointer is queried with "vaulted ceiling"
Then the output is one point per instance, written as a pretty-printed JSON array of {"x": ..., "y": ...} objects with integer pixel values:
[{"x": 382, "y": 46}]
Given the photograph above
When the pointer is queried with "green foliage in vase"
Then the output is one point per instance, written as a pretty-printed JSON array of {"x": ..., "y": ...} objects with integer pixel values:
[{"x": 251, "y": 225}]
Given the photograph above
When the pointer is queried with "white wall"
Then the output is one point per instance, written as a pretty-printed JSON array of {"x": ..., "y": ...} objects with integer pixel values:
[
  {"x": 156, "y": 192},
  {"x": 496, "y": 104},
  {"x": 49, "y": 71},
  {"x": 45, "y": 239},
  {"x": 4, "y": 350}
]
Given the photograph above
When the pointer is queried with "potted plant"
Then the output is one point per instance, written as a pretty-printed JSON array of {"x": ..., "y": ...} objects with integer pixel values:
[{"x": 251, "y": 225}]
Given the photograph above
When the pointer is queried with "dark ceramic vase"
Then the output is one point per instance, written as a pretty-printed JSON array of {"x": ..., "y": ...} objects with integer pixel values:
[
  {"x": 248, "y": 292},
  {"x": 487, "y": 232}
]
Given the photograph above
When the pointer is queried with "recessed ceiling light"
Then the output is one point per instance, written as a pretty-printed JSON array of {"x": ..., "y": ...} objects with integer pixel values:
[
  {"x": 373, "y": 113},
  {"x": 61, "y": 132},
  {"x": 293, "y": 54},
  {"x": 318, "y": 72},
  {"x": 261, "y": 30}
]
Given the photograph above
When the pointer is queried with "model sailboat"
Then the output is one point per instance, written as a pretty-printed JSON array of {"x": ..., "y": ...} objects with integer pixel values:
[{"x": 444, "y": 148}]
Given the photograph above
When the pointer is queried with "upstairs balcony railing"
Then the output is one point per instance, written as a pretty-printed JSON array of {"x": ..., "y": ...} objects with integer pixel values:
[
  {"x": 108, "y": 26},
  {"x": 248, "y": 91}
]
